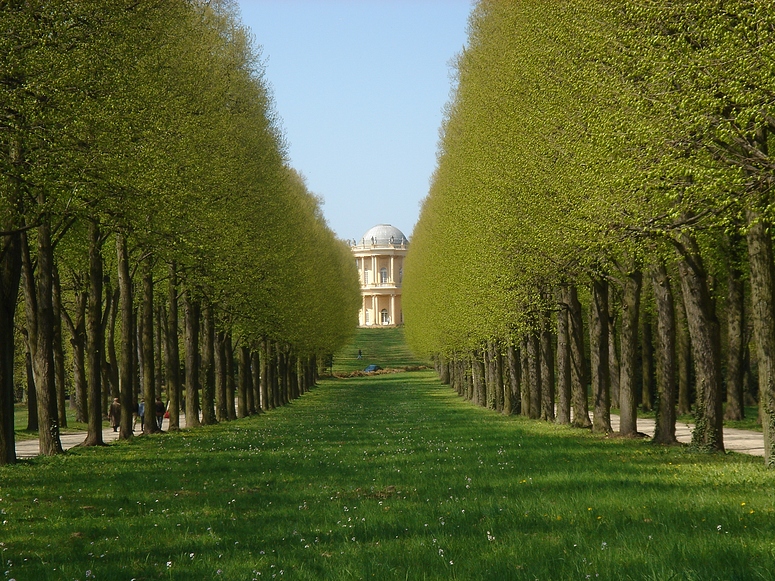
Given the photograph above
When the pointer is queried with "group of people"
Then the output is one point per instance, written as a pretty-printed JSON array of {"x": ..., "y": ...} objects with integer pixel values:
[{"x": 114, "y": 413}]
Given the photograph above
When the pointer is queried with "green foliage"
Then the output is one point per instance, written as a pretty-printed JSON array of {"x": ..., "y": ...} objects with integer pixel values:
[
  {"x": 390, "y": 477},
  {"x": 156, "y": 119}
]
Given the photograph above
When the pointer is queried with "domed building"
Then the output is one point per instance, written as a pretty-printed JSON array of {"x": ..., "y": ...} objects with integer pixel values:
[{"x": 379, "y": 256}]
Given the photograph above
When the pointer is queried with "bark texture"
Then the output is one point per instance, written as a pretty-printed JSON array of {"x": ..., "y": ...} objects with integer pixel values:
[
  {"x": 126, "y": 358},
  {"x": 735, "y": 305},
  {"x": 760, "y": 258},
  {"x": 563, "y": 365},
  {"x": 704, "y": 332},
  {"x": 578, "y": 364},
  {"x": 95, "y": 338},
  {"x": 629, "y": 351},
  {"x": 598, "y": 347},
  {"x": 191, "y": 322},
  {"x": 664, "y": 431}
]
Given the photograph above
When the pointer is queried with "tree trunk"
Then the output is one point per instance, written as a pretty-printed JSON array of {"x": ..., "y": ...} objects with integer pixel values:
[
  {"x": 191, "y": 316},
  {"x": 94, "y": 338},
  {"x": 41, "y": 329},
  {"x": 443, "y": 369},
  {"x": 157, "y": 351},
  {"x": 613, "y": 355},
  {"x": 149, "y": 369},
  {"x": 10, "y": 278},
  {"x": 628, "y": 407},
  {"x": 514, "y": 387},
  {"x": 664, "y": 431},
  {"x": 524, "y": 367},
  {"x": 598, "y": 349},
  {"x": 647, "y": 363},
  {"x": 208, "y": 367},
  {"x": 242, "y": 385},
  {"x": 251, "y": 404},
  {"x": 489, "y": 375},
  {"x": 760, "y": 258},
  {"x": 684, "y": 351},
  {"x": 271, "y": 373},
  {"x": 126, "y": 359},
  {"x": 172, "y": 349},
  {"x": 563, "y": 363},
  {"x": 508, "y": 393},
  {"x": 138, "y": 353},
  {"x": 293, "y": 387},
  {"x": 735, "y": 409},
  {"x": 111, "y": 346},
  {"x": 578, "y": 368},
  {"x": 282, "y": 357},
  {"x": 32, "y": 397},
  {"x": 231, "y": 411},
  {"x": 59, "y": 355},
  {"x": 265, "y": 403},
  {"x": 534, "y": 375},
  {"x": 477, "y": 369},
  {"x": 255, "y": 367},
  {"x": 704, "y": 332},
  {"x": 547, "y": 372},
  {"x": 220, "y": 377},
  {"x": 77, "y": 327}
]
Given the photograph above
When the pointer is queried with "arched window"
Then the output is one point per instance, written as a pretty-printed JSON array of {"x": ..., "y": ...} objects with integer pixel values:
[
  {"x": 383, "y": 275},
  {"x": 385, "y": 317}
]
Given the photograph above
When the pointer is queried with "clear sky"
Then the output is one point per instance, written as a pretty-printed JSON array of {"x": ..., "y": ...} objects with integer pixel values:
[{"x": 360, "y": 86}]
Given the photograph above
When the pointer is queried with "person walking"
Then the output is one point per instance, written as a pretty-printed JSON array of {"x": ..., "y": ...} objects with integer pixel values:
[
  {"x": 141, "y": 414},
  {"x": 160, "y": 409},
  {"x": 114, "y": 414}
]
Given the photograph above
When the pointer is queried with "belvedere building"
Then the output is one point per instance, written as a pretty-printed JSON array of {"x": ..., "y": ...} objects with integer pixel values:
[{"x": 379, "y": 256}]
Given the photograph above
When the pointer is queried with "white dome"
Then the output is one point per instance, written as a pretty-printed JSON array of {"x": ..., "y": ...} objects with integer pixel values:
[{"x": 384, "y": 234}]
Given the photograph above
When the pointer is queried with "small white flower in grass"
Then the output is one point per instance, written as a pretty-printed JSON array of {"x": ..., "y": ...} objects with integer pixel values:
[
  {"x": 169, "y": 564},
  {"x": 219, "y": 571},
  {"x": 718, "y": 528},
  {"x": 490, "y": 537},
  {"x": 604, "y": 547},
  {"x": 191, "y": 555}
]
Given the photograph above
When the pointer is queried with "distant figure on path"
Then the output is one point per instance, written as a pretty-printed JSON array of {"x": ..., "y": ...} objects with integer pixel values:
[
  {"x": 160, "y": 409},
  {"x": 114, "y": 414},
  {"x": 140, "y": 414},
  {"x": 360, "y": 355}
]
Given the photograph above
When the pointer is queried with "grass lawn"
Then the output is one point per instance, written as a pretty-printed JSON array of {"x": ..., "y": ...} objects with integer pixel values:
[
  {"x": 386, "y": 477},
  {"x": 383, "y": 346}
]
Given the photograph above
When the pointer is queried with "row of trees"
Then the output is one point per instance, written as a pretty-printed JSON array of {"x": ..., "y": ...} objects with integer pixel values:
[
  {"x": 143, "y": 176},
  {"x": 601, "y": 163}
]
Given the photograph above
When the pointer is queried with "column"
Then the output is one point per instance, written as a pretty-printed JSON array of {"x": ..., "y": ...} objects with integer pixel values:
[
  {"x": 374, "y": 268},
  {"x": 374, "y": 308},
  {"x": 392, "y": 276},
  {"x": 393, "y": 307}
]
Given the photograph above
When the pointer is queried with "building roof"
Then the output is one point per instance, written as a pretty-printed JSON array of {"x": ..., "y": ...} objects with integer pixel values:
[{"x": 383, "y": 234}]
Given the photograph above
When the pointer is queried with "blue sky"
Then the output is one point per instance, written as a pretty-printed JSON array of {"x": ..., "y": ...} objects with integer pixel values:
[{"x": 360, "y": 86}]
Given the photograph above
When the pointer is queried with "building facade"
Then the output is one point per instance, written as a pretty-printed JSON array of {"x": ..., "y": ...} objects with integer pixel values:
[{"x": 379, "y": 257}]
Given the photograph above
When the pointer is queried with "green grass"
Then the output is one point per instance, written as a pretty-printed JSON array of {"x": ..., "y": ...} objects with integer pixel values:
[
  {"x": 383, "y": 346},
  {"x": 386, "y": 477}
]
